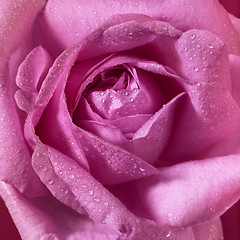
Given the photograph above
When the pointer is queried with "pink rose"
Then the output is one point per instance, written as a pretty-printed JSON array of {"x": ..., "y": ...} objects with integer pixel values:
[{"x": 119, "y": 119}]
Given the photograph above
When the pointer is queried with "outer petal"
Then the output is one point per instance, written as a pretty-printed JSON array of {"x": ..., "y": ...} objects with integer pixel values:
[
  {"x": 213, "y": 113},
  {"x": 182, "y": 196},
  {"x": 236, "y": 23},
  {"x": 101, "y": 206},
  {"x": 235, "y": 76},
  {"x": 29, "y": 78},
  {"x": 14, "y": 152},
  {"x": 46, "y": 218},
  {"x": 81, "y": 18}
]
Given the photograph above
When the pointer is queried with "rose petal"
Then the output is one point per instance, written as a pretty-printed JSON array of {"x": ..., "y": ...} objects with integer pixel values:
[
  {"x": 57, "y": 74},
  {"x": 236, "y": 23},
  {"x": 120, "y": 165},
  {"x": 125, "y": 124},
  {"x": 98, "y": 202},
  {"x": 212, "y": 114},
  {"x": 153, "y": 136},
  {"x": 29, "y": 77},
  {"x": 89, "y": 16},
  {"x": 135, "y": 32},
  {"x": 211, "y": 16},
  {"x": 197, "y": 201},
  {"x": 86, "y": 17},
  {"x": 16, "y": 20},
  {"x": 55, "y": 128},
  {"x": 235, "y": 76},
  {"x": 107, "y": 132},
  {"x": 211, "y": 230},
  {"x": 46, "y": 218}
]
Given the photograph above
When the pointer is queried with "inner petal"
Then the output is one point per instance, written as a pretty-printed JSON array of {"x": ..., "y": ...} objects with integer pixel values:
[{"x": 118, "y": 92}]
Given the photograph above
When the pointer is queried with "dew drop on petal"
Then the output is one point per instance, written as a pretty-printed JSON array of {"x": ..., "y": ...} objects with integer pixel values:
[
  {"x": 91, "y": 192},
  {"x": 196, "y": 69},
  {"x": 72, "y": 176},
  {"x": 96, "y": 199},
  {"x": 193, "y": 36},
  {"x": 50, "y": 181}
]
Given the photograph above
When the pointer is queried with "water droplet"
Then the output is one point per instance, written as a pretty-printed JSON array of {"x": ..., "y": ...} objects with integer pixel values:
[
  {"x": 72, "y": 176},
  {"x": 50, "y": 181},
  {"x": 168, "y": 234},
  {"x": 212, "y": 209},
  {"x": 196, "y": 69},
  {"x": 96, "y": 199},
  {"x": 43, "y": 168},
  {"x": 164, "y": 28},
  {"x": 91, "y": 192},
  {"x": 193, "y": 36}
]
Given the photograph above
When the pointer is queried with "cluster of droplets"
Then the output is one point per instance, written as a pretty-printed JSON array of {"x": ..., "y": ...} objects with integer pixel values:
[
  {"x": 72, "y": 188},
  {"x": 112, "y": 104},
  {"x": 202, "y": 55},
  {"x": 120, "y": 162}
]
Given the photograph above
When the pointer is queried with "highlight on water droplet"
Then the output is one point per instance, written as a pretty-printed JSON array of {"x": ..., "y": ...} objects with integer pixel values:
[{"x": 96, "y": 199}]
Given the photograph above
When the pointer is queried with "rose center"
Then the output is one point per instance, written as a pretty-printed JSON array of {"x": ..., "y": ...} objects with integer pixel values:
[{"x": 117, "y": 92}]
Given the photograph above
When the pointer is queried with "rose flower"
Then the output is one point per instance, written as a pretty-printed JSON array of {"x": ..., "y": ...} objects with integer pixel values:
[{"x": 119, "y": 119}]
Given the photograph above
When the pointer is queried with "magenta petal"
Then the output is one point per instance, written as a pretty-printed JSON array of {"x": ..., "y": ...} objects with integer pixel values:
[
  {"x": 153, "y": 136},
  {"x": 46, "y": 218},
  {"x": 211, "y": 17},
  {"x": 109, "y": 133},
  {"x": 30, "y": 75},
  {"x": 126, "y": 32},
  {"x": 15, "y": 28},
  {"x": 55, "y": 128},
  {"x": 120, "y": 166},
  {"x": 101, "y": 206},
  {"x": 130, "y": 124},
  {"x": 17, "y": 20},
  {"x": 182, "y": 196},
  {"x": 235, "y": 76},
  {"x": 56, "y": 75},
  {"x": 209, "y": 230},
  {"x": 86, "y": 17},
  {"x": 236, "y": 24},
  {"x": 33, "y": 70},
  {"x": 212, "y": 114}
]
